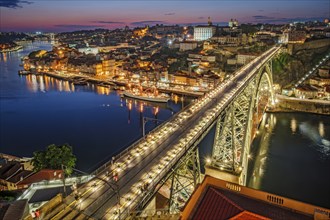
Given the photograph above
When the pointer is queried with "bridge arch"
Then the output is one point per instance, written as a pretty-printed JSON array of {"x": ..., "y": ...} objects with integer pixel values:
[{"x": 238, "y": 123}]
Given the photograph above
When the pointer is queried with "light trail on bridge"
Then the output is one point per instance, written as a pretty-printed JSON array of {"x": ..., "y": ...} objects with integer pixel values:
[{"x": 143, "y": 165}]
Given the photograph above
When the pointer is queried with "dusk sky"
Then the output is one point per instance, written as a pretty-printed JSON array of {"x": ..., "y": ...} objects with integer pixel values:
[{"x": 69, "y": 15}]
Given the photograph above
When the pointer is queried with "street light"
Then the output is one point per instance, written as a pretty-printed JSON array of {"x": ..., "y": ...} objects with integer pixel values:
[{"x": 145, "y": 120}]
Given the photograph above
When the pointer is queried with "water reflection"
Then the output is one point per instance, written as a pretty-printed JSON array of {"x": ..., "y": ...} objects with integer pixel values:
[
  {"x": 4, "y": 57},
  {"x": 321, "y": 129},
  {"x": 293, "y": 125},
  {"x": 314, "y": 134},
  {"x": 259, "y": 166},
  {"x": 294, "y": 151},
  {"x": 102, "y": 90},
  {"x": 36, "y": 83}
]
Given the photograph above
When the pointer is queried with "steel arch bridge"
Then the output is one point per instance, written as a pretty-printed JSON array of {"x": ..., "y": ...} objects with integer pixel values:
[
  {"x": 238, "y": 123},
  {"x": 168, "y": 156}
]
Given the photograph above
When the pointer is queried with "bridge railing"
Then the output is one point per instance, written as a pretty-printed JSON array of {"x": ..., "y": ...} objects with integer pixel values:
[{"x": 54, "y": 183}]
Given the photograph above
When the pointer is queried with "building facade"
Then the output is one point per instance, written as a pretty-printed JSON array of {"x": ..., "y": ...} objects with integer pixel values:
[{"x": 204, "y": 32}]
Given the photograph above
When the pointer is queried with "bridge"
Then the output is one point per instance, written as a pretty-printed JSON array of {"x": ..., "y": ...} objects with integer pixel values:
[{"x": 168, "y": 156}]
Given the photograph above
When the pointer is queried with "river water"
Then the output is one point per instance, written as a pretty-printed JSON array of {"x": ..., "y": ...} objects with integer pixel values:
[
  {"x": 36, "y": 111},
  {"x": 290, "y": 155}
]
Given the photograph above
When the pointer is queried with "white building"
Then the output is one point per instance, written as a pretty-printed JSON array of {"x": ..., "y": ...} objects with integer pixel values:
[
  {"x": 89, "y": 50},
  {"x": 233, "y": 23},
  {"x": 204, "y": 32}
]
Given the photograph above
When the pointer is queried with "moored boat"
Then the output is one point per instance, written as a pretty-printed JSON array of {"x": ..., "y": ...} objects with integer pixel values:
[
  {"x": 147, "y": 97},
  {"x": 23, "y": 72}
]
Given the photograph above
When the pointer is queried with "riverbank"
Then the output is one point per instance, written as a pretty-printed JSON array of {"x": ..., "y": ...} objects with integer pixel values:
[
  {"x": 290, "y": 104},
  {"x": 18, "y": 47},
  {"x": 72, "y": 77}
]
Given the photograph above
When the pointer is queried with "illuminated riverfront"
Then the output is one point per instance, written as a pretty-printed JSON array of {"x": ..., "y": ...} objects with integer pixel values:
[{"x": 169, "y": 117}]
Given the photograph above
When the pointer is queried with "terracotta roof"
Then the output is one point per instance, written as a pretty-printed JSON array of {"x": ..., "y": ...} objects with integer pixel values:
[
  {"x": 214, "y": 200},
  {"x": 215, "y": 205},
  {"x": 262, "y": 208},
  {"x": 45, "y": 174},
  {"x": 245, "y": 215}
]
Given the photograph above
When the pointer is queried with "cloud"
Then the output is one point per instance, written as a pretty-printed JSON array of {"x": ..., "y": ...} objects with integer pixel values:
[
  {"x": 13, "y": 3},
  {"x": 204, "y": 23},
  {"x": 143, "y": 23},
  {"x": 201, "y": 18},
  {"x": 76, "y": 26},
  {"x": 108, "y": 22},
  {"x": 261, "y": 17},
  {"x": 168, "y": 14},
  {"x": 266, "y": 19},
  {"x": 260, "y": 10}
]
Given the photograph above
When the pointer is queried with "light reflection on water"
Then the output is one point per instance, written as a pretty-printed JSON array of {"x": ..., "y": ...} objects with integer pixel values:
[
  {"x": 292, "y": 157},
  {"x": 315, "y": 134},
  {"x": 38, "y": 110}
]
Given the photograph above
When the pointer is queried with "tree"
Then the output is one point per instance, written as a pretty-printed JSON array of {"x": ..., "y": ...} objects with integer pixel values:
[{"x": 55, "y": 157}]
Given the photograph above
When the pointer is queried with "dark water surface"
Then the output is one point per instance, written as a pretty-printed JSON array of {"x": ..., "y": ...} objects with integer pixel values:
[
  {"x": 36, "y": 111},
  {"x": 291, "y": 157}
]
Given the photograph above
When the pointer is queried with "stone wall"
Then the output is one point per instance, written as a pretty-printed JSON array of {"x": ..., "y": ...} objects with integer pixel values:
[
  {"x": 303, "y": 106},
  {"x": 310, "y": 45}
]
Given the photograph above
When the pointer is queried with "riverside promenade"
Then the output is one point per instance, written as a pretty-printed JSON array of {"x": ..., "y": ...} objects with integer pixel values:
[
  {"x": 290, "y": 104},
  {"x": 112, "y": 82}
]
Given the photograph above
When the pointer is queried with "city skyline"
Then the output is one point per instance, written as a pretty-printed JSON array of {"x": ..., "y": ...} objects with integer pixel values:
[{"x": 54, "y": 16}]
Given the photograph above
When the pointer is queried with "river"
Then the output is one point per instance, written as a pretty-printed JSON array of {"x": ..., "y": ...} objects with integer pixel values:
[
  {"x": 290, "y": 156},
  {"x": 36, "y": 111}
]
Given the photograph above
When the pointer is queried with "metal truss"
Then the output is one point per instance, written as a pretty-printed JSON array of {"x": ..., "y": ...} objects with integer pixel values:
[
  {"x": 236, "y": 123},
  {"x": 184, "y": 179},
  {"x": 231, "y": 144}
]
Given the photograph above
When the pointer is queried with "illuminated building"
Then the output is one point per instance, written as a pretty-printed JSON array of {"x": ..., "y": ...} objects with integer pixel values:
[
  {"x": 88, "y": 50},
  {"x": 294, "y": 37},
  {"x": 140, "y": 32},
  {"x": 204, "y": 32},
  {"x": 233, "y": 23}
]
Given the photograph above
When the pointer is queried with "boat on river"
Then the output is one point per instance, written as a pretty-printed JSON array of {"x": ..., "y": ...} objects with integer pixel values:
[{"x": 151, "y": 97}]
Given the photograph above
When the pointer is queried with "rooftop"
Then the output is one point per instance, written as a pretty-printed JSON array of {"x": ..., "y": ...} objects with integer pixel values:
[
  {"x": 218, "y": 199},
  {"x": 15, "y": 210},
  {"x": 45, "y": 174}
]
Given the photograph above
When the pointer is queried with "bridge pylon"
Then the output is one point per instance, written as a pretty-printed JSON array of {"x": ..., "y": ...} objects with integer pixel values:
[
  {"x": 237, "y": 125},
  {"x": 184, "y": 179}
]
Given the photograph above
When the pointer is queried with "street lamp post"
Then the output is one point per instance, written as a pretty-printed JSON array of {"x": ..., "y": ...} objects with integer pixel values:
[
  {"x": 64, "y": 188},
  {"x": 144, "y": 121}
]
